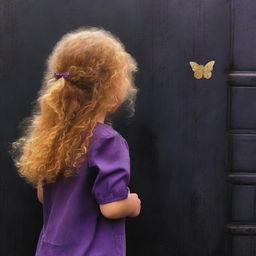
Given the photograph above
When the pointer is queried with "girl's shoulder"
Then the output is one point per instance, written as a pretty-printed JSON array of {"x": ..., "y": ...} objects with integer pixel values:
[
  {"x": 106, "y": 141},
  {"x": 104, "y": 133},
  {"x": 103, "y": 130}
]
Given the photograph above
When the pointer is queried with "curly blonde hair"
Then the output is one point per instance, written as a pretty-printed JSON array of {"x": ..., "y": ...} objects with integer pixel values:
[{"x": 56, "y": 136}]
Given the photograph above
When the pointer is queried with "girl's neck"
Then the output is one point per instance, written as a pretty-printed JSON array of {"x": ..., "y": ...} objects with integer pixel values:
[{"x": 101, "y": 118}]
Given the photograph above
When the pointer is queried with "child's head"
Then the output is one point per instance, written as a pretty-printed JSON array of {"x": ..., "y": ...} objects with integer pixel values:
[
  {"x": 98, "y": 65},
  {"x": 67, "y": 110}
]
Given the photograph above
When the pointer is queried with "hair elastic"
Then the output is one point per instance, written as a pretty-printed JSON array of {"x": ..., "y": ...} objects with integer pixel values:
[{"x": 65, "y": 75}]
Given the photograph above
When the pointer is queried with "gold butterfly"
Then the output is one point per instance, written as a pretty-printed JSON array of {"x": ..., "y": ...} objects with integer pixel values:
[{"x": 201, "y": 70}]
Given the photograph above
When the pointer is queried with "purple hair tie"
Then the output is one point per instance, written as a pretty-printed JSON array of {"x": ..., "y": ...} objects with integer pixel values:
[{"x": 59, "y": 75}]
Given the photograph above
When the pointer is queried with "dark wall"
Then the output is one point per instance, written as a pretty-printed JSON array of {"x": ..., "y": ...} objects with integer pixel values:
[{"x": 178, "y": 136}]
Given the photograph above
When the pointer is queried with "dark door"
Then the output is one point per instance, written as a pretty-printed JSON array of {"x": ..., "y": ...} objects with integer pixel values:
[{"x": 192, "y": 141}]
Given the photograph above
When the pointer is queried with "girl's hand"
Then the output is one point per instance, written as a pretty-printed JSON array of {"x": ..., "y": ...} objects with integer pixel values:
[
  {"x": 135, "y": 204},
  {"x": 128, "y": 207}
]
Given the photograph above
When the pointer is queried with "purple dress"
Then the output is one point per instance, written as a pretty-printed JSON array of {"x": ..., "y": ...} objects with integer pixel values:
[{"x": 73, "y": 224}]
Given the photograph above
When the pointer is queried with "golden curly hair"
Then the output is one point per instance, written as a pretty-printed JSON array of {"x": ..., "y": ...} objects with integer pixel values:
[{"x": 56, "y": 136}]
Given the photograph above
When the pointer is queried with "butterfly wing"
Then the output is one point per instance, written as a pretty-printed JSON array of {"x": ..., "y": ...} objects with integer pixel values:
[
  {"x": 198, "y": 69},
  {"x": 207, "y": 69}
]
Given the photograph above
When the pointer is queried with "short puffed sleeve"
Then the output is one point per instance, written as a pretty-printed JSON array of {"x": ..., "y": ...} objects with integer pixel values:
[{"x": 110, "y": 159}]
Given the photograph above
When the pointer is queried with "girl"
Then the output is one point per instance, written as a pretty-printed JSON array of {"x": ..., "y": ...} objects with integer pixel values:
[{"x": 79, "y": 164}]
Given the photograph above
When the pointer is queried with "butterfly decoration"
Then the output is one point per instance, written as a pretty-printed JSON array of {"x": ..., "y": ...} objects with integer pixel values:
[{"x": 201, "y": 71}]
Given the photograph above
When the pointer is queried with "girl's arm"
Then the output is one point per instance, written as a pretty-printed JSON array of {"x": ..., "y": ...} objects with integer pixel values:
[
  {"x": 129, "y": 207},
  {"x": 40, "y": 193}
]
